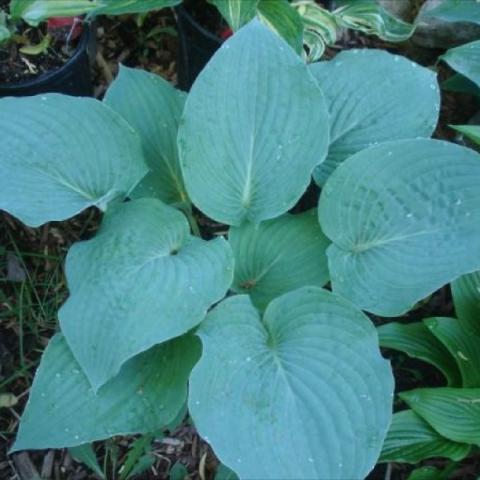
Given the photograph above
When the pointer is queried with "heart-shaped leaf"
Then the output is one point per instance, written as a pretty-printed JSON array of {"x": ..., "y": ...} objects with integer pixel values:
[
  {"x": 145, "y": 396},
  {"x": 276, "y": 256},
  {"x": 466, "y": 297},
  {"x": 416, "y": 340},
  {"x": 463, "y": 346},
  {"x": 411, "y": 439},
  {"x": 404, "y": 220},
  {"x": 452, "y": 412},
  {"x": 247, "y": 148},
  {"x": 309, "y": 374},
  {"x": 55, "y": 164},
  {"x": 373, "y": 97},
  {"x": 153, "y": 107},
  {"x": 141, "y": 281},
  {"x": 465, "y": 59}
]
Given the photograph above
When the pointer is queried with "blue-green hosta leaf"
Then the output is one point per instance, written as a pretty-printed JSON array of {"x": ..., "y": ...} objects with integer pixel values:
[
  {"x": 274, "y": 257},
  {"x": 247, "y": 149},
  {"x": 411, "y": 439},
  {"x": 456, "y": 11},
  {"x": 236, "y": 12},
  {"x": 389, "y": 210},
  {"x": 465, "y": 59},
  {"x": 463, "y": 346},
  {"x": 54, "y": 162},
  {"x": 64, "y": 411},
  {"x": 417, "y": 341},
  {"x": 309, "y": 373},
  {"x": 284, "y": 20},
  {"x": 153, "y": 107},
  {"x": 373, "y": 97},
  {"x": 141, "y": 281},
  {"x": 452, "y": 412},
  {"x": 466, "y": 298}
]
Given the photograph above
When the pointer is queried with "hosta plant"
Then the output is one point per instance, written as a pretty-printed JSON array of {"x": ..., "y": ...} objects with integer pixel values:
[
  {"x": 281, "y": 361},
  {"x": 443, "y": 421}
]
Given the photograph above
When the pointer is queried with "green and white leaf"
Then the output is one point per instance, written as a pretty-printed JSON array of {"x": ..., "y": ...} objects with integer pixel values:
[
  {"x": 319, "y": 28},
  {"x": 455, "y": 11},
  {"x": 416, "y": 340},
  {"x": 411, "y": 439},
  {"x": 247, "y": 149},
  {"x": 465, "y": 59},
  {"x": 470, "y": 131},
  {"x": 63, "y": 411},
  {"x": 122, "y": 7},
  {"x": 452, "y": 412},
  {"x": 466, "y": 298},
  {"x": 391, "y": 209},
  {"x": 236, "y": 12},
  {"x": 463, "y": 346},
  {"x": 276, "y": 256},
  {"x": 370, "y": 17},
  {"x": 141, "y": 281},
  {"x": 374, "y": 97},
  {"x": 36, "y": 11},
  {"x": 153, "y": 108},
  {"x": 283, "y": 20},
  {"x": 309, "y": 371},
  {"x": 55, "y": 163}
]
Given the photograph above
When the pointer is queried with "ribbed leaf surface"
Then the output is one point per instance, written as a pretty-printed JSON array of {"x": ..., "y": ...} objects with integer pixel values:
[
  {"x": 452, "y": 412},
  {"x": 417, "y": 341},
  {"x": 308, "y": 374},
  {"x": 463, "y": 346},
  {"x": 411, "y": 439},
  {"x": 404, "y": 220},
  {"x": 63, "y": 411},
  {"x": 153, "y": 107},
  {"x": 141, "y": 281},
  {"x": 373, "y": 97},
  {"x": 250, "y": 136},
  {"x": 466, "y": 298},
  {"x": 276, "y": 256},
  {"x": 54, "y": 161}
]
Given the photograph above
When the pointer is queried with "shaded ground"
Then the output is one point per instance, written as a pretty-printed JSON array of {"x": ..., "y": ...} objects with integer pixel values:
[{"x": 32, "y": 285}]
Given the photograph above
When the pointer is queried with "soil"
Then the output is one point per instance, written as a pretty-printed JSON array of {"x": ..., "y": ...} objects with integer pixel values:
[
  {"x": 16, "y": 66},
  {"x": 32, "y": 285}
]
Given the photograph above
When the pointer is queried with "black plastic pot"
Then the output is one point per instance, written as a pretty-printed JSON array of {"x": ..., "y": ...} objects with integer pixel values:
[
  {"x": 73, "y": 78},
  {"x": 196, "y": 46}
]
